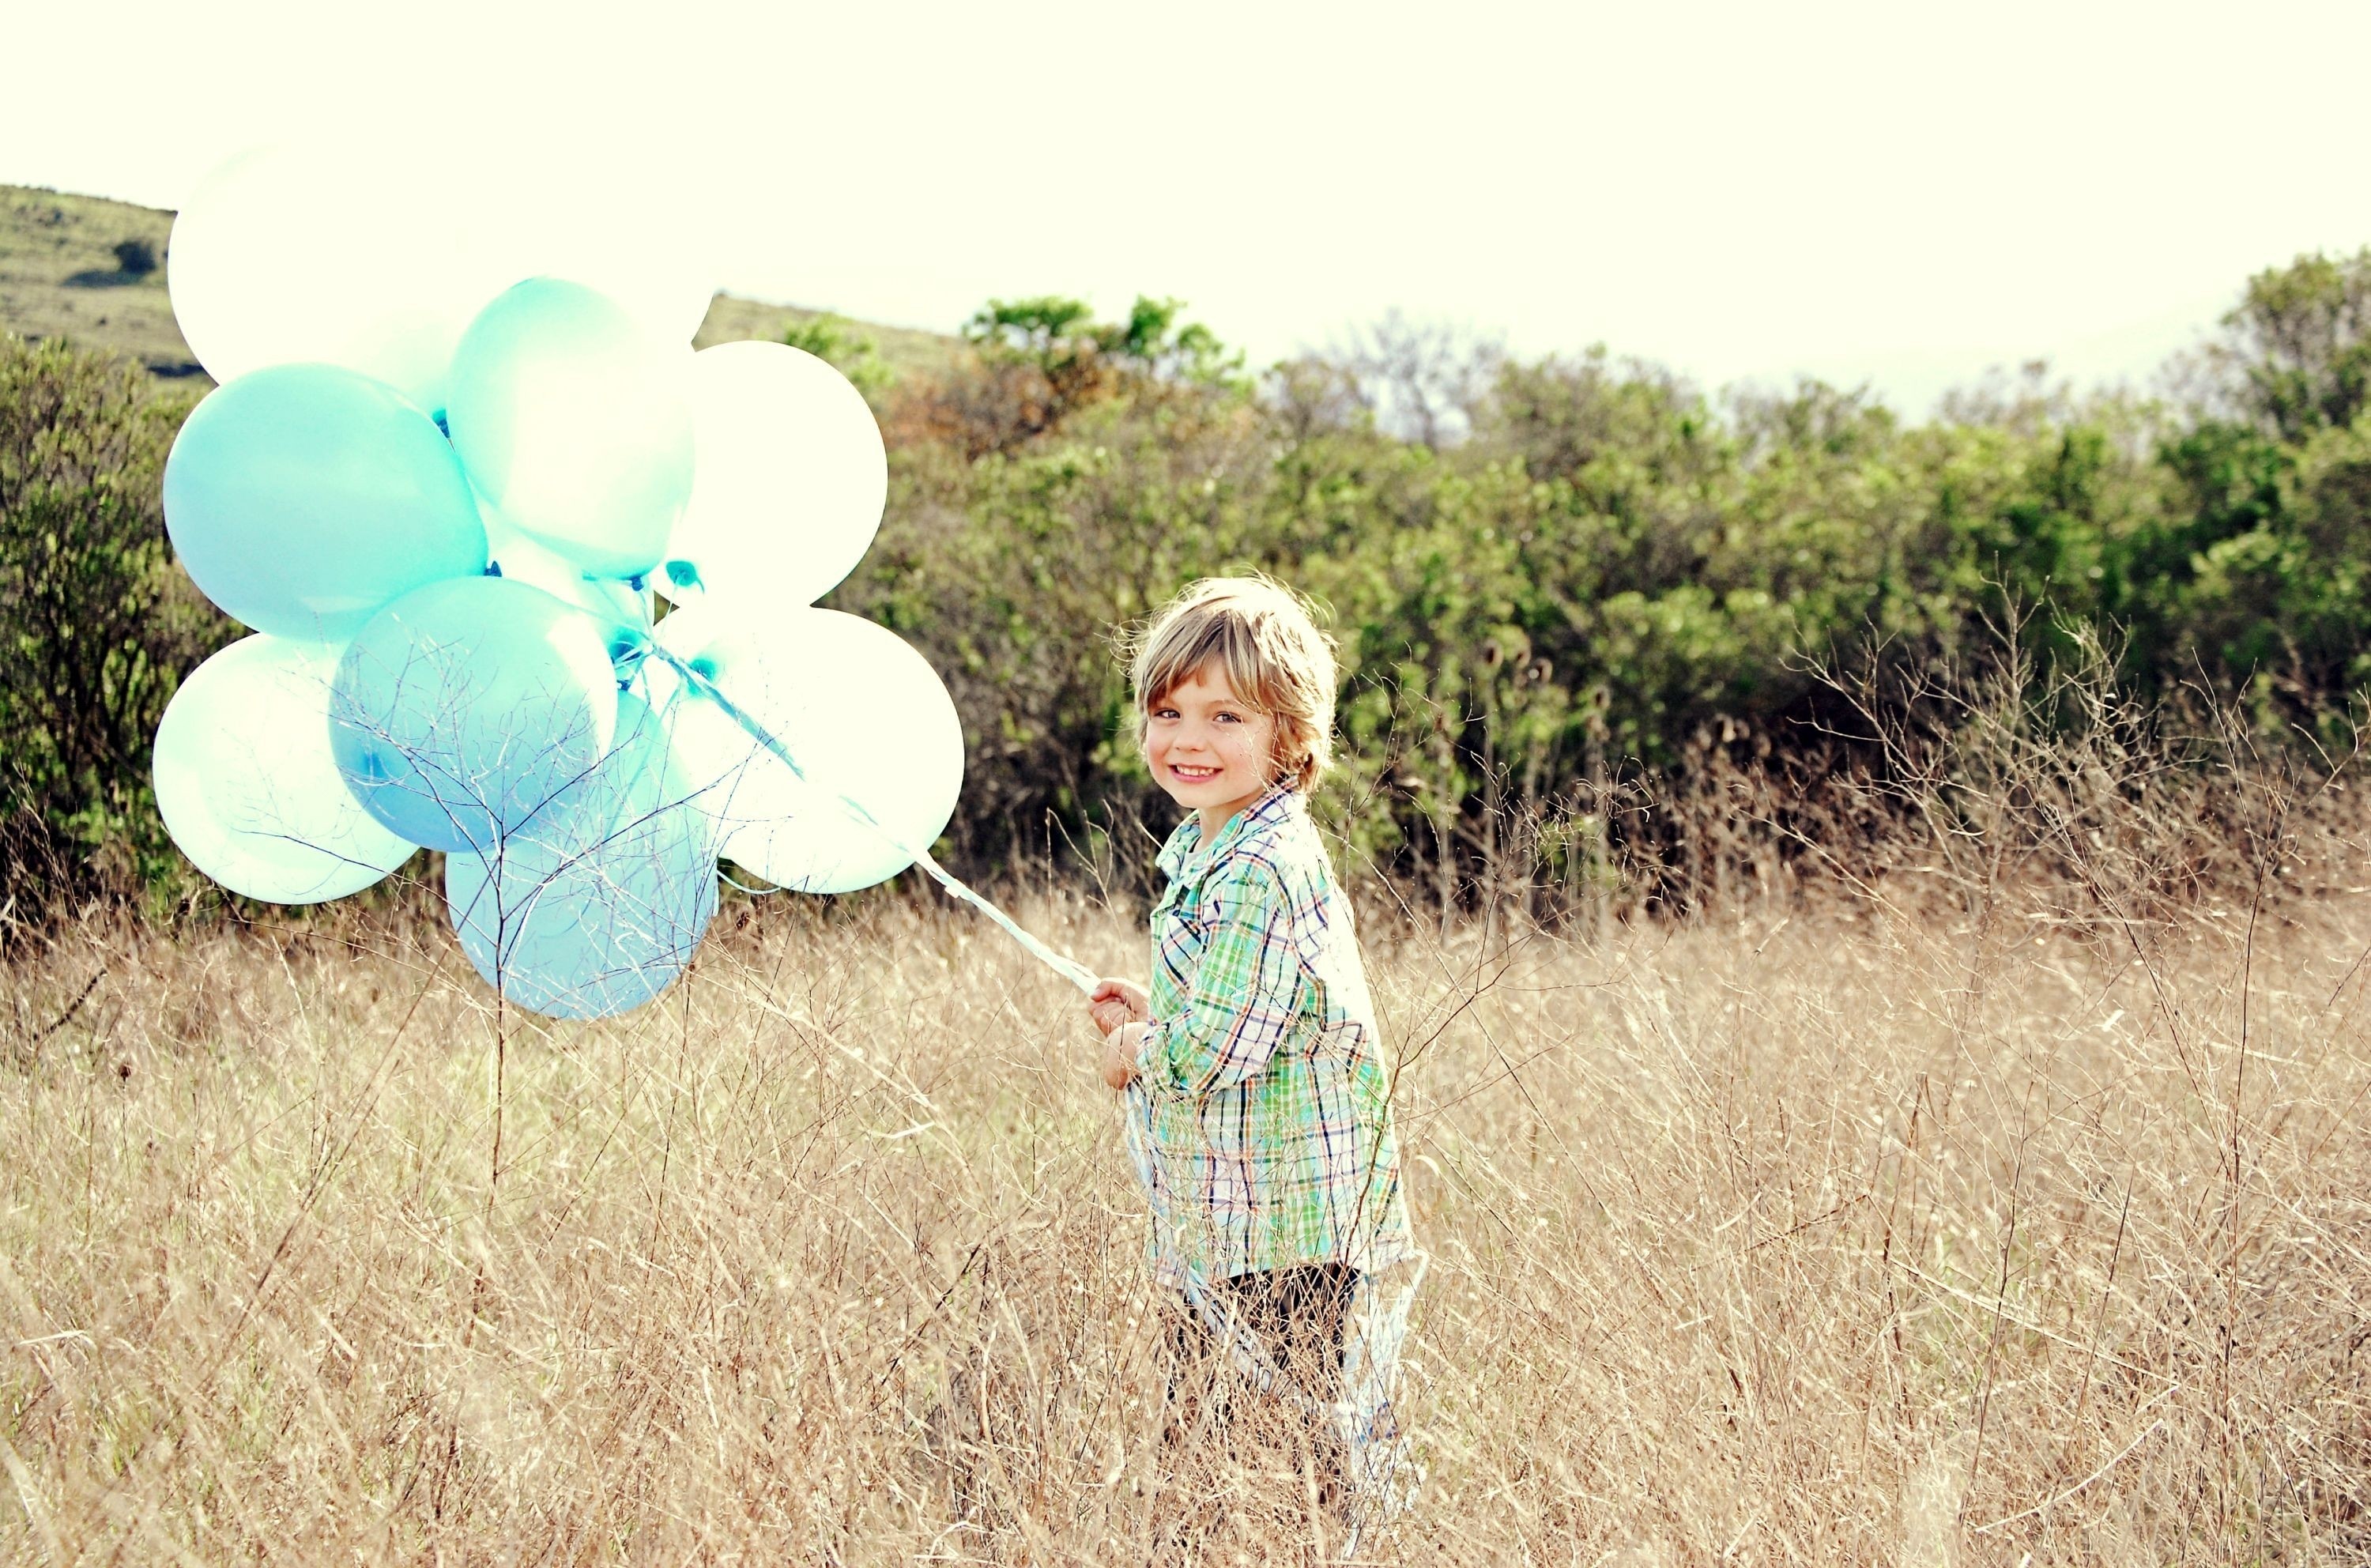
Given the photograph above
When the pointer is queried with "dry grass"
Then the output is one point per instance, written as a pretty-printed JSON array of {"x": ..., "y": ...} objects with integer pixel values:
[{"x": 1841, "y": 1233}]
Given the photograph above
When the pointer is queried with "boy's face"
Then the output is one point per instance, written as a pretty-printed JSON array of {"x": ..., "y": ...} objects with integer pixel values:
[{"x": 1208, "y": 749}]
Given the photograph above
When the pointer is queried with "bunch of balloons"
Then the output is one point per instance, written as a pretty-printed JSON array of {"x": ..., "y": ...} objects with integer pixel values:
[{"x": 455, "y": 450}]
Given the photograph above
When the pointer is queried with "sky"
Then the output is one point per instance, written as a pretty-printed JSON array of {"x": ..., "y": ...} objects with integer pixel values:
[{"x": 1893, "y": 194}]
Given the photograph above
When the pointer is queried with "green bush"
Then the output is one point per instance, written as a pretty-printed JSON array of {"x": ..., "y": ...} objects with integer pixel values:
[
  {"x": 855, "y": 355},
  {"x": 1611, "y": 591},
  {"x": 1615, "y": 578},
  {"x": 96, "y": 623}
]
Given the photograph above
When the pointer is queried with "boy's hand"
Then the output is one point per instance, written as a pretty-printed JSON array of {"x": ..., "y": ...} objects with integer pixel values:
[
  {"x": 1119, "y": 1054},
  {"x": 1115, "y": 1002}
]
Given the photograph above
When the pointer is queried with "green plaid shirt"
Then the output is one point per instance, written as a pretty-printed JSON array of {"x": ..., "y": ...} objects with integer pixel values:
[{"x": 1270, "y": 1097}]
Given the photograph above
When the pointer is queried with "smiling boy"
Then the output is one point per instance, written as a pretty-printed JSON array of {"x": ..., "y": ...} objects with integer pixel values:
[{"x": 1265, "y": 1093}]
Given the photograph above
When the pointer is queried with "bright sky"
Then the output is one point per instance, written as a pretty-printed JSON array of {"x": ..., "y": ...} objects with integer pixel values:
[{"x": 1896, "y": 193}]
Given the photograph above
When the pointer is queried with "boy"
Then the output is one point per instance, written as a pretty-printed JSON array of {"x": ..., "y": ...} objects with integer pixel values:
[{"x": 1253, "y": 1063}]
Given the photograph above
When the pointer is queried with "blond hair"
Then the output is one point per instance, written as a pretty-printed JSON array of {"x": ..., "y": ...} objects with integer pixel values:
[{"x": 1266, "y": 639}]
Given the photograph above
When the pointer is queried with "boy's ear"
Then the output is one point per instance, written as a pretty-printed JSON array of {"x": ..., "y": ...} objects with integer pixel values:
[{"x": 1282, "y": 763}]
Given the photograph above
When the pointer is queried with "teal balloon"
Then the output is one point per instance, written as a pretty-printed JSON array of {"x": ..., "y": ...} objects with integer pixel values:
[
  {"x": 598, "y": 907},
  {"x": 305, "y": 498},
  {"x": 468, "y": 708},
  {"x": 575, "y": 424}
]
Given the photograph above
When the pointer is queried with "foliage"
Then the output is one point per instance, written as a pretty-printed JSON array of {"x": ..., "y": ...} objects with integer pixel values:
[
  {"x": 1039, "y": 361},
  {"x": 1565, "y": 589},
  {"x": 135, "y": 257},
  {"x": 2298, "y": 355},
  {"x": 1611, "y": 578},
  {"x": 856, "y": 355},
  {"x": 96, "y": 623},
  {"x": 1058, "y": 337},
  {"x": 1423, "y": 381}
]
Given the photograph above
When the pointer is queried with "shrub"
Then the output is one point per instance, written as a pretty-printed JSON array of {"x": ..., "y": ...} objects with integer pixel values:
[
  {"x": 855, "y": 355},
  {"x": 1611, "y": 591},
  {"x": 1613, "y": 581},
  {"x": 97, "y": 621}
]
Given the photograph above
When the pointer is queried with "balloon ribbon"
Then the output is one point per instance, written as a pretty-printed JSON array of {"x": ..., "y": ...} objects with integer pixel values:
[{"x": 1062, "y": 964}]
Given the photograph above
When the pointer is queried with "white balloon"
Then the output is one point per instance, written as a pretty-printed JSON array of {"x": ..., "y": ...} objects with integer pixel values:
[
  {"x": 519, "y": 555},
  {"x": 789, "y": 477},
  {"x": 246, "y": 783},
  {"x": 863, "y": 715},
  {"x": 341, "y": 251}
]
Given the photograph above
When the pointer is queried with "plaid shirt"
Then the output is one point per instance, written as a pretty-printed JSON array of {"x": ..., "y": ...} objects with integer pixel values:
[{"x": 1269, "y": 1098}]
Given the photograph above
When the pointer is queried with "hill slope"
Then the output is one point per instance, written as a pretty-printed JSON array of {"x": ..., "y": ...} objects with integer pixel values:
[{"x": 59, "y": 278}]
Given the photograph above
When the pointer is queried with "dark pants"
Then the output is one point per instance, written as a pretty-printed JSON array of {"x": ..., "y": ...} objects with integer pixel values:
[{"x": 1226, "y": 1446}]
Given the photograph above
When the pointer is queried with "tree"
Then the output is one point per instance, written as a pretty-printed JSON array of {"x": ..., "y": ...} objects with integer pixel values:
[
  {"x": 1310, "y": 394},
  {"x": 1060, "y": 338},
  {"x": 1424, "y": 380},
  {"x": 2295, "y": 357},
  {"x": 1040, "y": 361}
]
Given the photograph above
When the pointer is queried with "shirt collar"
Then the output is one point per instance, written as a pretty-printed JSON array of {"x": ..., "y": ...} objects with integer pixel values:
[{"x": 1185, "y": 846}]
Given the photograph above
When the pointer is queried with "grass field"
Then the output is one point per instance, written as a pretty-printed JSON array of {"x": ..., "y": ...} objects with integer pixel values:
[
  {"x": 1871, "y": 1228},
  {"x": 59, "y": 278}
]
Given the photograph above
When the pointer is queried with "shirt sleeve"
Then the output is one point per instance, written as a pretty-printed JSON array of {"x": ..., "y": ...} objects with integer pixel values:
[{"x": 1246, "y": 989}]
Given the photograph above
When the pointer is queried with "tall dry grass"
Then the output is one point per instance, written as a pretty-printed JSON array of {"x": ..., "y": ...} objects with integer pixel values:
[{"x": 2007, "y": 1202}]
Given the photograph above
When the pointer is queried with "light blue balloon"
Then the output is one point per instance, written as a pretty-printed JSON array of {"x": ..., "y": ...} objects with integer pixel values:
[
  {"x": 573, "y": 424},
  {"x": 305, "y": 498},
  {"x": 469, "y": 709},
  {"x": 599, "y": 908}
]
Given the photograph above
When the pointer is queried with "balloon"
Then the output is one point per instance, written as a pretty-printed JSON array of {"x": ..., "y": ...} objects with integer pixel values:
[
  {"x": 336, "y": 251},
  {"x": 791, "y": 477},
  {"x": 599, "y": 909},
  {"x": 246, "y": 784},
  {"x": 302, "y": 497},
  {"x": 573, "y": 424},
  {"x": 468, "y": 708},
  {"x": 865, "y": 716}
]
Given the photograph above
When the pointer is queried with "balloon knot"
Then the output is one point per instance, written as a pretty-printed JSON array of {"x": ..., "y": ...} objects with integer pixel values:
[
  {"x": 494, "y": 568},
  {"x": 627, "y": 648}
]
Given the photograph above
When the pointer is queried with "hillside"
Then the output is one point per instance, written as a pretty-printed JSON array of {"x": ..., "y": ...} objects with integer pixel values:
[{"x": 59, "y": 277}]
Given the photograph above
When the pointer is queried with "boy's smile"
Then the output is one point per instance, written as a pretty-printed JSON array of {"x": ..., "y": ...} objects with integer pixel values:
[{"x": 1207, "y": 748}]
